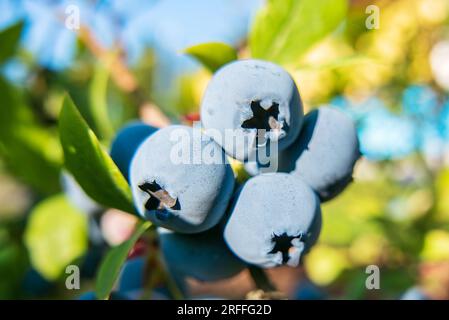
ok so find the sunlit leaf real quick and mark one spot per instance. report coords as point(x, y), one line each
point(442, 195)
point(324, 264)
point(436, 246)
point(55, 236)
point(89, 163)
point(212, 55)
point(286, 29)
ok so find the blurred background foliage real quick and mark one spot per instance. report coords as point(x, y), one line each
point(127, 61)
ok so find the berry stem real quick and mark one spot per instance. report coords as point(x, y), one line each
point(260, 279)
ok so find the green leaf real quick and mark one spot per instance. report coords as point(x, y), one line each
point(33, 155)
point(55, 236)
point(212, 55)
point(113, 261)
point(347, 61)
point(98, 91)
point(89, 164)
point(13, 266)
point(9, 38)
point(286, 29)
point(30, 151)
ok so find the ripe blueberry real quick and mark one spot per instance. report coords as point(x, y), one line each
point(275, 219)
point(203, 256)
point(180, 180)
point(248, 95)
point(325, 153)
point(126, 142)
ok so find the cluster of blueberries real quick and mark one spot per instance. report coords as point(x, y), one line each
point(210, 227)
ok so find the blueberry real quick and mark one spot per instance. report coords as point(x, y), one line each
point(132, 275)
point(307, 290)
point(126, 142)
point(35, 285)
point(275, 219)
point(180, 180)
point(247, 95)
point(325, 152)
point(202, 256)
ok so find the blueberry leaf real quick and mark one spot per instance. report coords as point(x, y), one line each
point(286, 29)
point(9, 38)
point(98, 90)
point(29, 150)
point(56, 235)
point(113, 261)
point(89, 163)
point(212, 55)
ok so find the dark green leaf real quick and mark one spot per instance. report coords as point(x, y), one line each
point(30, 151)
point(113, 261)
point(9, 38)
point(286, 29)
point(212, 55)
point(89, 164)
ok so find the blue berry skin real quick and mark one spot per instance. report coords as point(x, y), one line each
point(325, 153)
point(247, 95)
point(34, 285)
point(203, 256)
point(274, 221)
point(307, 290)
point(132, 275)
point(187, 195)
point(126, 142)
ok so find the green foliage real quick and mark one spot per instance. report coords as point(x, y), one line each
point(98, 91)
point(286, 29)
point(56, 235)
point(212, 55)
point(13, 263)
point(89, 163)
point(9, 38)
point(113, 261)
point(29, 150)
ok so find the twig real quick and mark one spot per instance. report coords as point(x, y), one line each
point(122, 76)
point(260, 279)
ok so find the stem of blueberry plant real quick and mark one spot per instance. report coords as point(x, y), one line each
point(260, 279)
point(160, 271)
point(122, 76)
